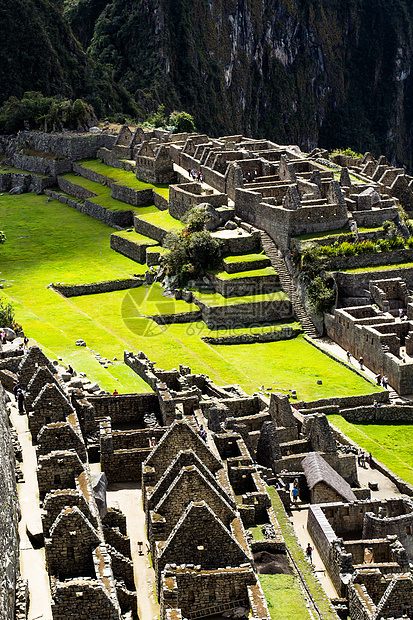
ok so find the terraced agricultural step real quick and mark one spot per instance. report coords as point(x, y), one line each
point(287, 285)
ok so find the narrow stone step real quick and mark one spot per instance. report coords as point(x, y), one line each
point(277, 262)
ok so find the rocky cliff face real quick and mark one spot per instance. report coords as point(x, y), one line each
point(9, 516)
point(333, 73)
point(330, 72)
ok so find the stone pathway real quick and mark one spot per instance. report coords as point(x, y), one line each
point(32, 561)
point(299, 521)
point(127, 496)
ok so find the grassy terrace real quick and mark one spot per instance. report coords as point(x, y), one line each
point(215, 299)
point(265, 271)
point(379, 268)
point(123, 177)
point(136, 237)
point(284, 597)
point(297, 552)
point(50, 242)
point(12, 170)
point(103, 197)
point(333, 233)
point(162, 219)
point(244, 258)
point(390, 444)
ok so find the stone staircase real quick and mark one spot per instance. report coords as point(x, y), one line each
point(277, 262)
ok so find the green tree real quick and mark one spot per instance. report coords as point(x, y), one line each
point(182, 122)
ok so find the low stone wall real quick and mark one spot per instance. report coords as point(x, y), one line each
point(28, 182)
point(345, 402)
point(108, 158)
point(370, 260)
point(128, 247)
point(272, 546)
point(246, 265)
point(237, 287)
point(160, 202)
point(123, 219)
point(240, 245)
point(182, 317)
point(384, 414)
point(42, 165)
point(91, 175)
point(137, 198)
point(149, 230)
point(76, 290)
point(275, 336)
point(239, 315)
point(375, 218)
point(77, 191)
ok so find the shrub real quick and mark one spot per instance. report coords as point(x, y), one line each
point(6, 314)
point(195, 219)
point(321, 293)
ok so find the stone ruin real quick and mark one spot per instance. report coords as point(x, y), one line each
point(200, 496)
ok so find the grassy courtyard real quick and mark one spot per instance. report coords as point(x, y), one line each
point(390, 444)
point(50, 242)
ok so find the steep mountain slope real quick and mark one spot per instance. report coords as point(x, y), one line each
point(39, 52)
point(333, 72)
point(312, 72)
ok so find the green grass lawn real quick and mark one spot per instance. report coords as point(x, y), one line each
point(390, 444)
point(123, 177)
point(50, 242)
point(284, 597)
point(297, 552)
point(334, 233)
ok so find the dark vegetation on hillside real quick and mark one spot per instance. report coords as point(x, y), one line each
point(333, 73)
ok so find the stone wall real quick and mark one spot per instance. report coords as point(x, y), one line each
point(371, 259)
point(27, 182)
point(184, 197)
point(344, 402)
point(9, 518)
point(71, 145)
point(75, 290)
point(77, 191)
point(42, 165)
point(357, 284)
point(124, 408)
point(275, 336)
point(385, 414)
point(239, 314)
point(281, 223)
point(109, 158)
point(128, 247)
point(238, 287)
